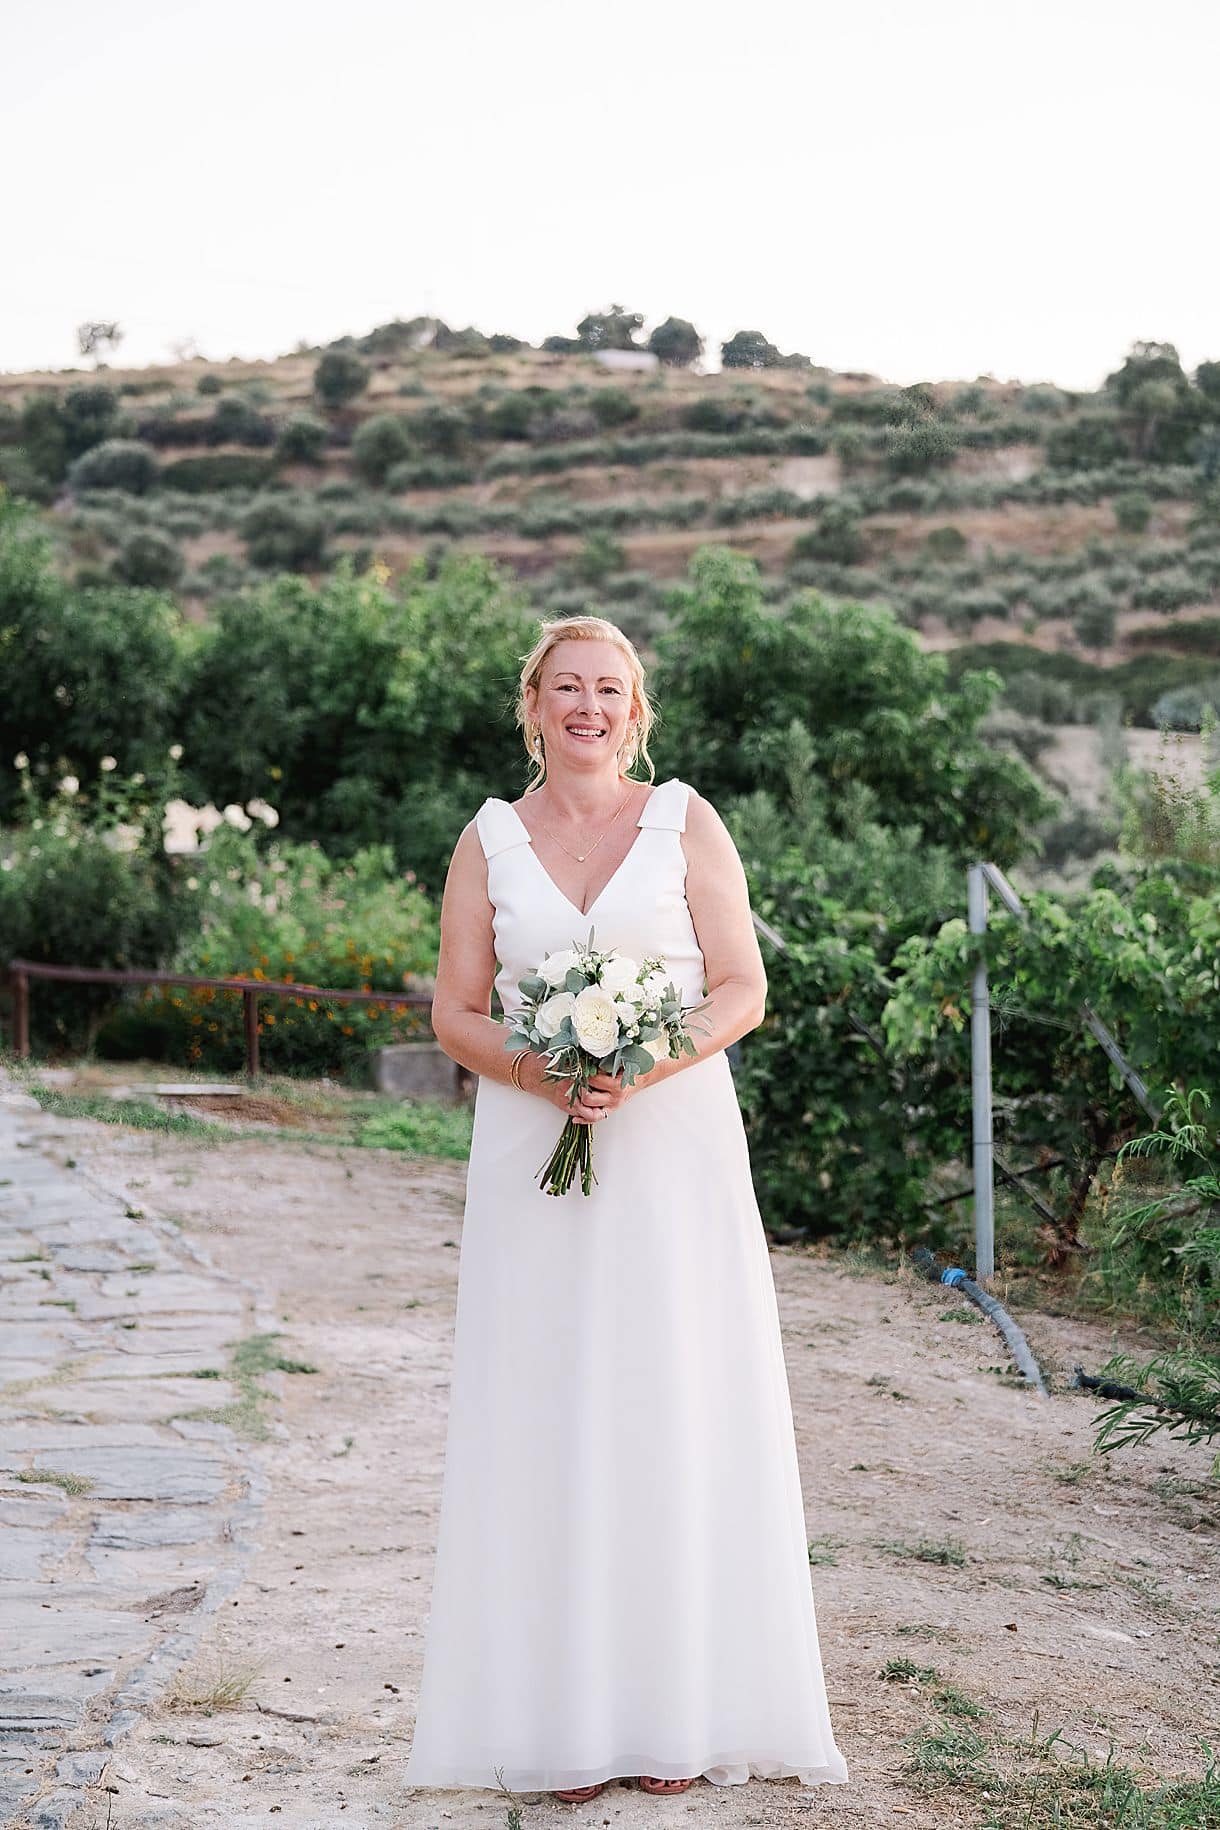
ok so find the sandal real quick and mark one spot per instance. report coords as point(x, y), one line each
point(662, 1788)
point(578, 1795)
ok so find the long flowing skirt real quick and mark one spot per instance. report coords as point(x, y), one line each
point(622, 1579)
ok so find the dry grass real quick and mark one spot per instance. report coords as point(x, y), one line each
point(220, 1685)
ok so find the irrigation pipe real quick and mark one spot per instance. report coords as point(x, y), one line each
point(957, 1279)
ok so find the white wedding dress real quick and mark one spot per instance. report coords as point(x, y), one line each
point(622, 1579)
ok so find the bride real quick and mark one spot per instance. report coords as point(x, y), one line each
point(622, 1585)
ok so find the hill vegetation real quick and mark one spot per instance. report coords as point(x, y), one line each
point(1076, 535)
point(289, 599)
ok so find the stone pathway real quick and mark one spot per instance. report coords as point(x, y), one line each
point(124, 1521)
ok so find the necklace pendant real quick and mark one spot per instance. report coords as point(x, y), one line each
point(580, 857)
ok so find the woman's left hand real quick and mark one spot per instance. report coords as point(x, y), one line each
point(603, 1094)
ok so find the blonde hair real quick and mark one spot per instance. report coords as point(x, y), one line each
point(584, 629)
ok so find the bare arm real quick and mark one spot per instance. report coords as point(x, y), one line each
point(465, 974)
point(719, 900)
point(466, 968)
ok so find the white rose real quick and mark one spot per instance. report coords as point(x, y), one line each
point(595, 1020)
point(658, 1047)
point(237, 816)
point(556, 967)
point(551, 1014)
point(619, 975)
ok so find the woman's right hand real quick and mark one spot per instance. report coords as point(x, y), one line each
point(555, 1092)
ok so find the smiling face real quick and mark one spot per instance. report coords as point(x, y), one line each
point(583, 705)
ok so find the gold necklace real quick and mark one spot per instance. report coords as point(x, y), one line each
point(580, 856)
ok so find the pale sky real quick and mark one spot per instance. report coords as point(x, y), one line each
point(926, 190)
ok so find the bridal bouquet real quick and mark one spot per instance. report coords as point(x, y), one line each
point(596, 1013)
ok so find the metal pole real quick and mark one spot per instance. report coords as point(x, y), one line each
point(250, 1006)
point(980, 1084)
point(21, 1014)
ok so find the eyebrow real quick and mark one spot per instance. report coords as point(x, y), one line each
point(566, 672)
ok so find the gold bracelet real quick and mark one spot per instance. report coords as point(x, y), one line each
point(514, 1072)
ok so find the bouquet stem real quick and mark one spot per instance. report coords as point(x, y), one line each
point(573, 1151)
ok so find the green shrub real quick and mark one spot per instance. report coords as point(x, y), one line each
point(86, 673)
point(749, 349)
point(332, 709)
point(1088, 442)
point(42, 434)
point(966, 608)
point(1133, 511)
point(441, 429)
point(837, 537)
point(283, 535)
point(149, 558)
point(287, 912)
point(850, 446)
point(90, 415)
point(19, 477)
point(119, 463)
point(209, 384)
point(1041, 696)
point(1047, 401)
point(1187, 708)
point(1095, 623)
point(1207, 380)
point(676, 342)
point(913, 450)
point(512, 416)
point(1172, 589)
point(235, 421)
point(339, 377)
point(599, 558)
point(612, 329)
point(945, 544)
point(218, 470)
point(303, 439)
point(714, 413)
point(735, 678)
point(71, 894)
point(380, 443)
point(431, 473)
point(1201, 638)
point(613, 406)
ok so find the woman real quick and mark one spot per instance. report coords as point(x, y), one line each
point(622, 1582)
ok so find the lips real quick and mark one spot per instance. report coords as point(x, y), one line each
point(584, 733)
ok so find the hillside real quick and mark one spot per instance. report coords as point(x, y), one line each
point(1073, 541)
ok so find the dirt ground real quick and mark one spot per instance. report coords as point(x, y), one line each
point(1087, 1598)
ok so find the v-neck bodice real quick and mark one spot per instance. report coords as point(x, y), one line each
point(642, 909)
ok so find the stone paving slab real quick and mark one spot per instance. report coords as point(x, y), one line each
point(142, 1400)
point(102, 1590)
point(139, 1529)
point(71, 1630)
point(26, 1550)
